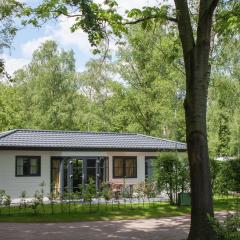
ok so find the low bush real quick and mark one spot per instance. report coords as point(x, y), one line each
point(229, 228)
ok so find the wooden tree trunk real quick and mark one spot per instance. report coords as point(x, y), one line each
point(196, 59)
point(201, 193)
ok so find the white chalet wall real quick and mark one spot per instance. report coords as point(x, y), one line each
point(15, 185)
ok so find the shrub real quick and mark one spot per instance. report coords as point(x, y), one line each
point(225, 175)
point(106, 192)
point(229, 229)
point(2, 195)
point(36, 201)
point(150, 189)
point(23, 201)
point(171, 174)
point(89, 192)
point(7, 202)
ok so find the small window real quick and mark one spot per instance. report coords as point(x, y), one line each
point(28, 166)
point(149, 166)
point(124, 167)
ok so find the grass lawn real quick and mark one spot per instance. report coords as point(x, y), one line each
point(78, 212)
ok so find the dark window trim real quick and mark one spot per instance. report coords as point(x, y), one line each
point(124, 170)
point(28, 156)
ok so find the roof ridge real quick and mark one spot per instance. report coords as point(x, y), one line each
point(6, 133)
point(163, 139)
point(71, 131)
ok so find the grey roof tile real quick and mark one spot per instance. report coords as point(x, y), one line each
point(69, 140)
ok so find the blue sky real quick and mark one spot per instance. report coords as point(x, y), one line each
point(30, 38)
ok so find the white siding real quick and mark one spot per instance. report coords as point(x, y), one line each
point(15, 185)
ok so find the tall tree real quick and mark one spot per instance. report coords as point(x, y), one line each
point(223, 115)
point(48, 88)
point(152, 73)
point(196, 40)
point(11, 112)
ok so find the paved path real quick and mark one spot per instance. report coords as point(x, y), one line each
point(172, 228)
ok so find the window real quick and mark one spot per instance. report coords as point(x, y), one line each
point(149, 166)
point(28, 166)
point(125, 167)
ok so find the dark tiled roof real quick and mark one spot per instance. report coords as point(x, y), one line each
point(74, 140)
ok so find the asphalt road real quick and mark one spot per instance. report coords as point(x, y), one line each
point(171, 228)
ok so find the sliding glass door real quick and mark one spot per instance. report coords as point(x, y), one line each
point(55, 175)
point(73, 173)
point(77, 175)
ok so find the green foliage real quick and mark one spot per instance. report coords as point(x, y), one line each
point(223, 116)
point(55, 213)
point(153, 76)
point(2, 194)
point(88, 15)
point(89, 192)
point(36, 201)
point(226, 177)
point(50, 94)
point(150, 189)
point(47, 91)
point(229, 228)
point(7, 202)
point(9, 9)
point(106, 191)
point(23, 202)
point(171, 174)
point(227, 18)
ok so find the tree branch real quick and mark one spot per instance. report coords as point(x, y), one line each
point(210, 5)
point(184, 26)
point(67, 14)
point(148, 18)
point(205, 20)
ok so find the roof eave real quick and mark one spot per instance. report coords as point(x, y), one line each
point(38, 148)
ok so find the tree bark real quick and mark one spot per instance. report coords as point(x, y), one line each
point(196, 59)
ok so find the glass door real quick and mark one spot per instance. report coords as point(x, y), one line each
point(77, 175)
point(55, 175)
point(71, 173)
point(91, 169)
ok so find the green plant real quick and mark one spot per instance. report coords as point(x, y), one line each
point(7, 203)
point(149, 189)
point(36, 201)
point(61, 198)
point(229, 229)
point(51, 197)
point(171, 174)
point(89, 193)
point(139, 191)
point(227, 178)
point(23, 201)
point(2, 195)
point(41, 195)
point(68, 197)
point(106, 193)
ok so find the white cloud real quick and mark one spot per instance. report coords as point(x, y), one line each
point(29, 47)
point(60, 32)
point(62, 35)
point(12, 64)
